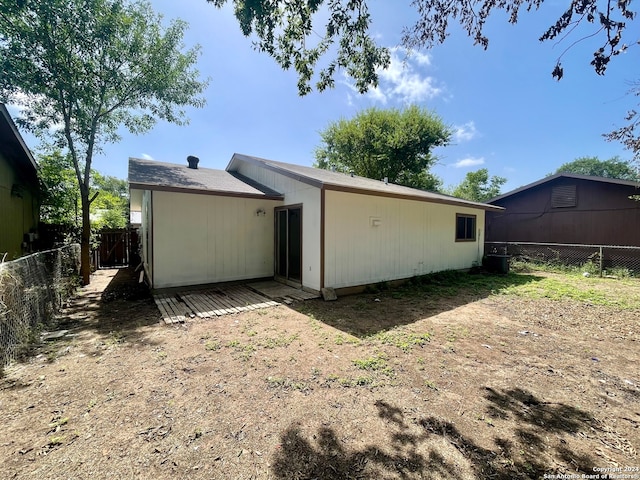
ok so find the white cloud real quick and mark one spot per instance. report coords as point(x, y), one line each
point(469, 162)
point(146, 156)
point(403, 81)
point(464, 133)
point(421, 58)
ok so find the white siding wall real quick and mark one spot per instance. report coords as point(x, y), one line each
point(412, 238)
point(206, 239)
point(296, 192)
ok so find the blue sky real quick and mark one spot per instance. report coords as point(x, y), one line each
point(509, 114)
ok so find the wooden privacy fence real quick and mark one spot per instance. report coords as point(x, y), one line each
point(117, 248)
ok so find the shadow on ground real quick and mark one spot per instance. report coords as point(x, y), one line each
point(434, 448)
point(385, 308)
point(117, 311)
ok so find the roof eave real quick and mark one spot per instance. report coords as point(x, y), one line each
point(550, 178)
point(418, 198)
point(336, 187)
point(27, 155)
point(201, 191)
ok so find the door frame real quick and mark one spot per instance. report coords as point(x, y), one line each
point(285, 279)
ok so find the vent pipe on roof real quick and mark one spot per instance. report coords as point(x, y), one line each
point(386, 180)
point(193, 162)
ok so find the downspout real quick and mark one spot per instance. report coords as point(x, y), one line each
point(153, 269)
point(322, 230)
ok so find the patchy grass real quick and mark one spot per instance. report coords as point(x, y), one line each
point(282, 340)
point(212, 345)
point(376, 362)
point(591, 290)
point(451, 376)
point(548, 283)
point(401, 338)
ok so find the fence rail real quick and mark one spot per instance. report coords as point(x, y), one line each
point(32, 289)
point(599, 259)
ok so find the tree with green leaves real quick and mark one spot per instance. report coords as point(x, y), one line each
point(478, 186)
point(629, 134)
point(285, 30)
point(111, 206)
point(61, 196)
point(290, 32)
point(81, 69)
point(60, 191)
point(393, 144)
point(593, 166)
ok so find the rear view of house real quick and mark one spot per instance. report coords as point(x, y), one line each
point(19, 191)
point(306, 227)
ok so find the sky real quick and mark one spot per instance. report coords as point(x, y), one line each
point(507, 112)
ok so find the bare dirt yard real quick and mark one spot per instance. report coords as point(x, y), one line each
point(458, 377)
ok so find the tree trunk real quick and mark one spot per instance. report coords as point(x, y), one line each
point(85, 240)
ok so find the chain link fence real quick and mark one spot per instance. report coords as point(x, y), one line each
point(32, 290)
point(594, 259)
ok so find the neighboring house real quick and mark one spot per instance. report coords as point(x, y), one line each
point(304, 226)
point(568, 208)
point(19, 191)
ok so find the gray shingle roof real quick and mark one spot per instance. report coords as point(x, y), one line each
point(341, 181)
point(153, 175)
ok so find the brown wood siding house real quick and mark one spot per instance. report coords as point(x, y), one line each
point(19, 191)
point(567, 208)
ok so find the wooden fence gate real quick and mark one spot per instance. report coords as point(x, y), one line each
point(118, 248)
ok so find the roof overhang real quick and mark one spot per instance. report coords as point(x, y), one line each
point(13, 147)
point(198, 191)
point(440, 199)
point(574, 176)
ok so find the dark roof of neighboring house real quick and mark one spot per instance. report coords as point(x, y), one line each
point(616, 181)
point(343, 182)
point(13, 148)
point(153, 175)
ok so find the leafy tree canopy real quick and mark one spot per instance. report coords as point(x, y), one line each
point(612, 168)
point(478, 186)
point(61, 196)
point(629, 135)
point(60, 191)
point(81, 69)
point(605, 20)
point(288, 31)
point(396, 144)
point(111, 205)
